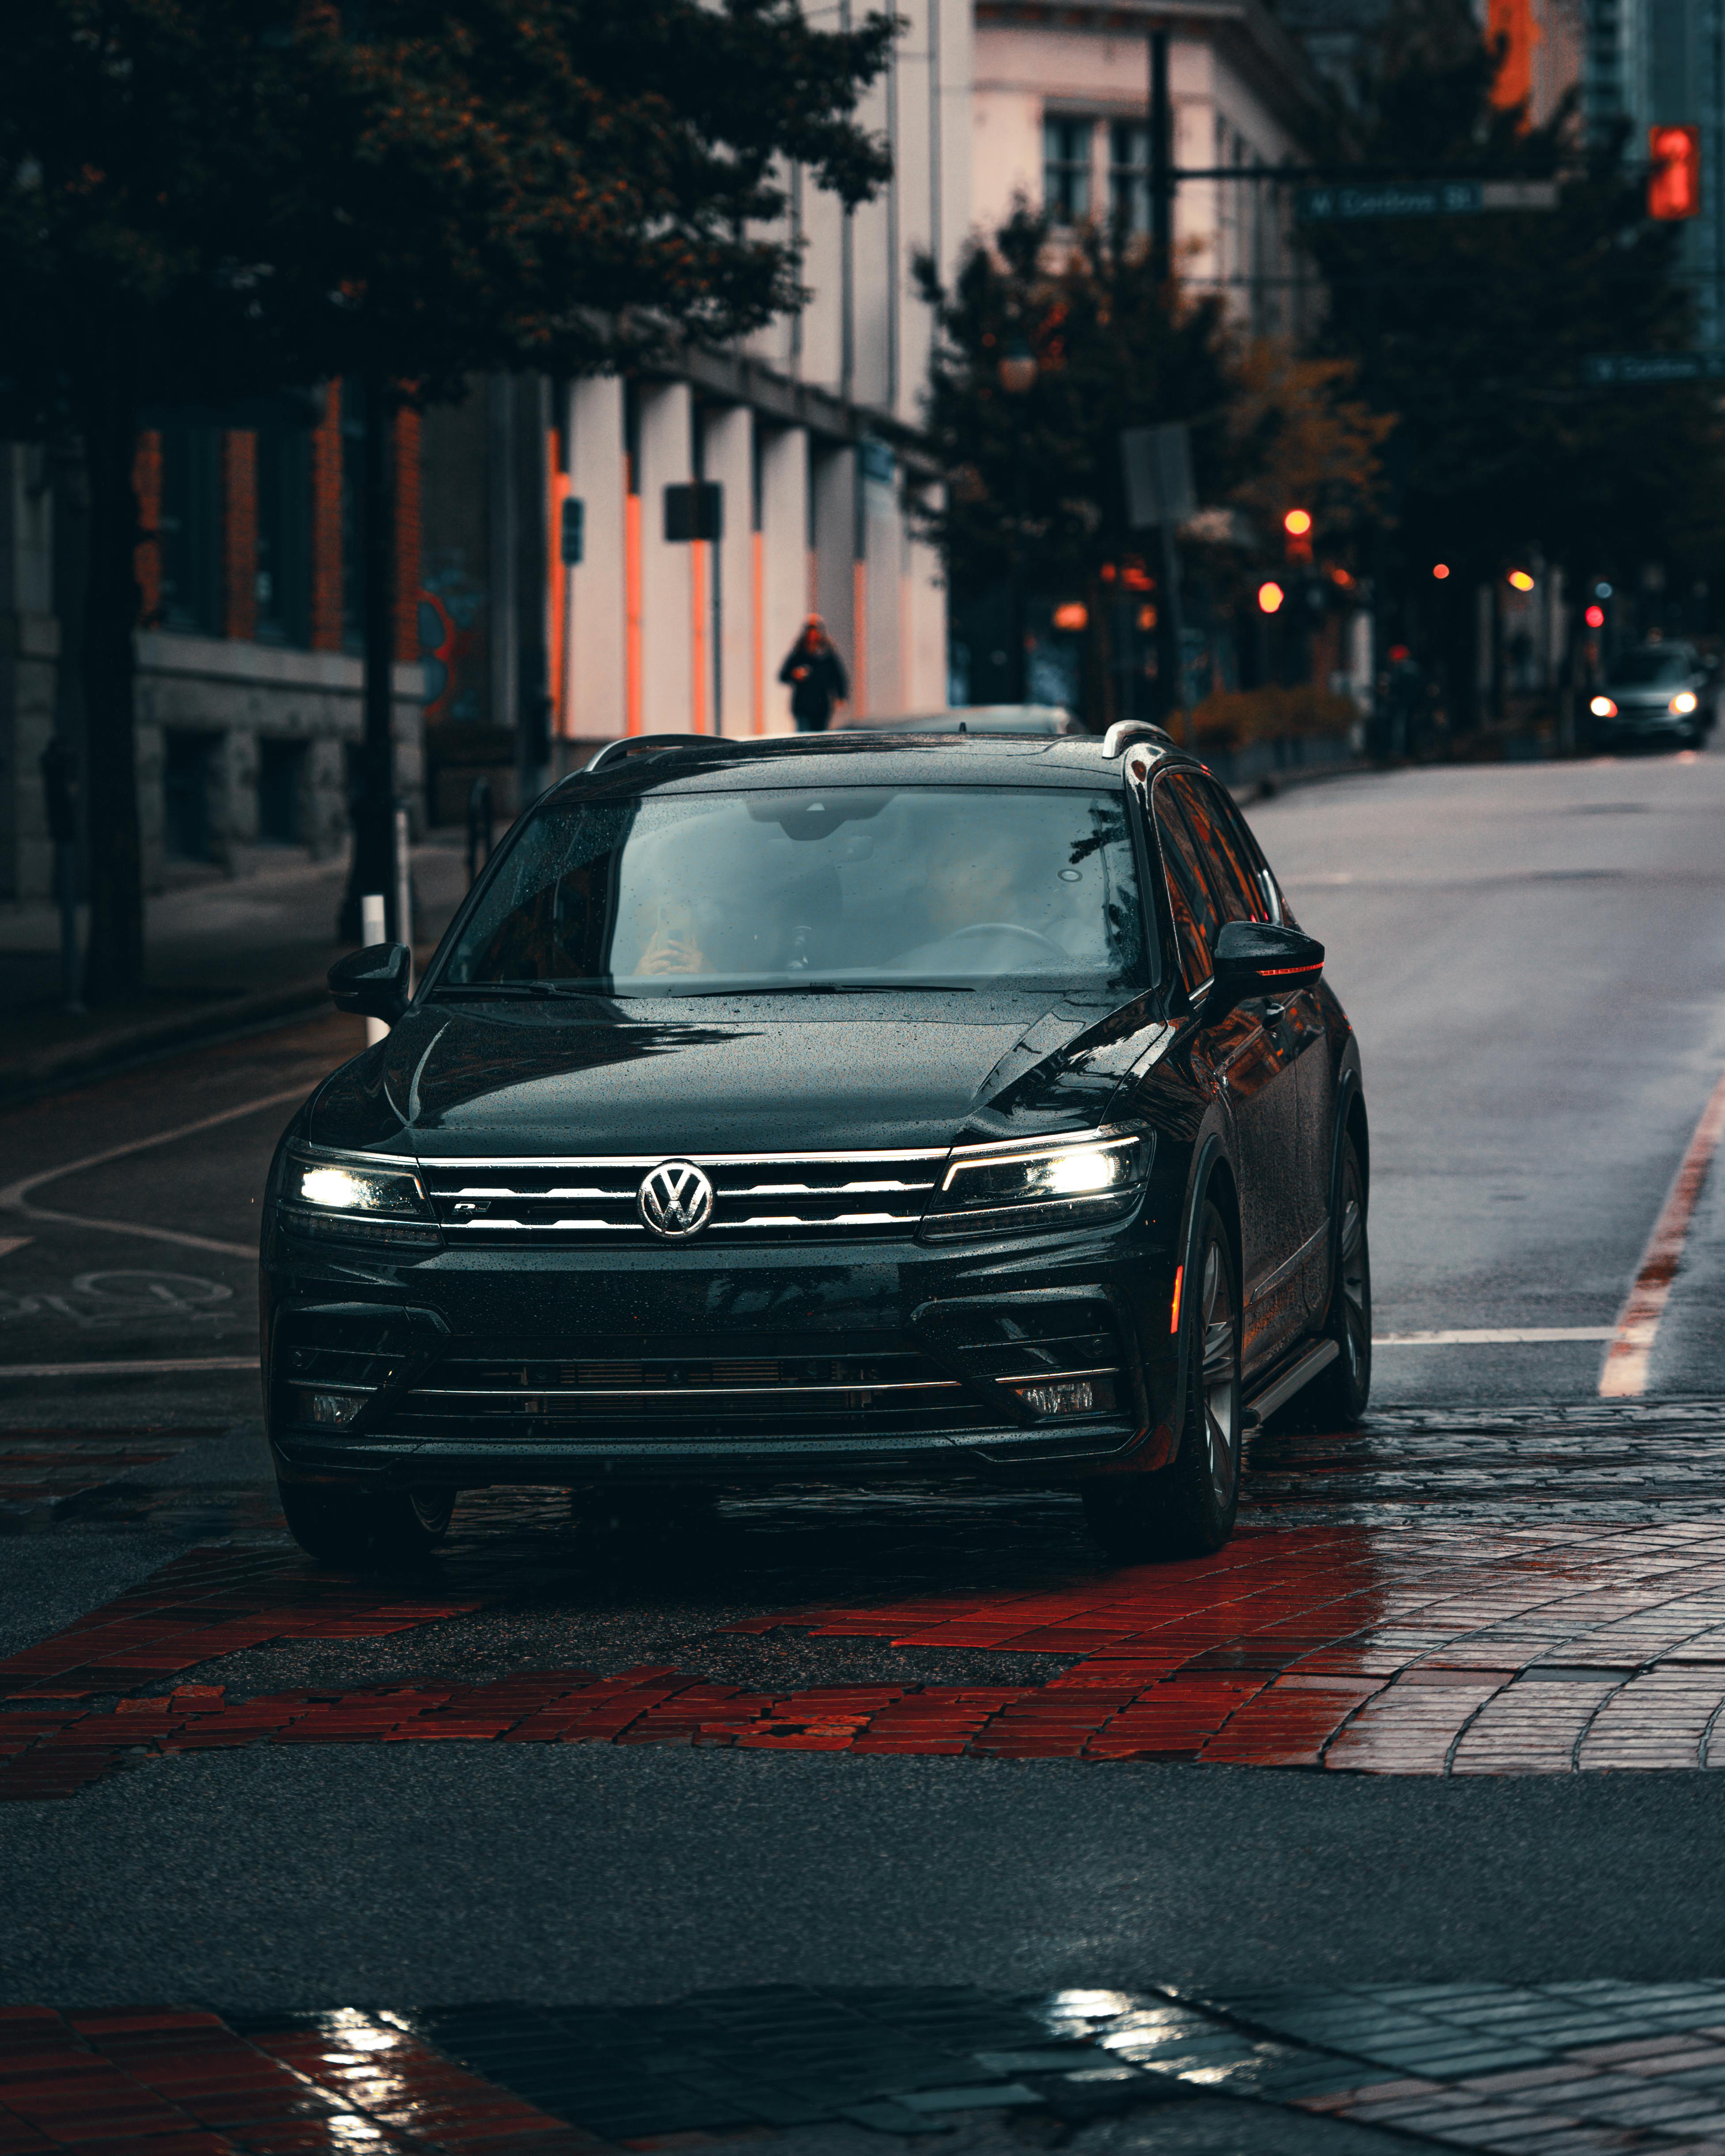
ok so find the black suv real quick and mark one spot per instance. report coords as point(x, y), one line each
point(821, 1109)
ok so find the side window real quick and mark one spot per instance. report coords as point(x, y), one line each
point(1227, 852)
point(1194, 908)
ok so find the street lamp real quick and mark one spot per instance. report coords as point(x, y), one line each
point(1017, 373)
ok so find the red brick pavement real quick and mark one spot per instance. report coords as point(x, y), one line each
point(1431, 1650)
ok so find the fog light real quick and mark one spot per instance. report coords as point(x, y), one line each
point(1068, 1396)
point(328, 1406)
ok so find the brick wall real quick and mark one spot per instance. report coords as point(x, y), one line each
point(239, 535)
point(146, 482)
point(326, 525)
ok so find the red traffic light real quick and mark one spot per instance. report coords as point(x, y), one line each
point(1674, 184)
point(1595, 617)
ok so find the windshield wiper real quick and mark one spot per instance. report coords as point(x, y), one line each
point(504, 988)
point(841, 988)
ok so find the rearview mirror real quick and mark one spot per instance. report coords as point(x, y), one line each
point(372, 982)
point(1262, 958)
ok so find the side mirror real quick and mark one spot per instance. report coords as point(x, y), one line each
point(1261, 959)
point(372, 982)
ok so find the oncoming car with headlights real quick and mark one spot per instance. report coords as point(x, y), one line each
point(823, 1110)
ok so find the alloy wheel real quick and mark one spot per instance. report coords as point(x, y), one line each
point(1221, 1375)
point(1356, 1311)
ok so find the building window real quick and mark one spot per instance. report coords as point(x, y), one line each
point(189, 529)
point(1065, 170)
point(284, 556)
point(1129, 176)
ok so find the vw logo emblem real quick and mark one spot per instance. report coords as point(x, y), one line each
point(676, 1198)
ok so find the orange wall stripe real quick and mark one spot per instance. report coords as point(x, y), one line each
point(697, 642)
point(557, 582)
point(758, 601)
point(631, 613)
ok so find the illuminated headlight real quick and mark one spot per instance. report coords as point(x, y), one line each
point(999, 1190)
point(357, 1198)
point(329, 1408)
point(1602, 707)
point(1683, 702)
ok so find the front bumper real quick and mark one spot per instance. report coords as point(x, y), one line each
point(740, 1367)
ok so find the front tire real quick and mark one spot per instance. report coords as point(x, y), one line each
point(1336, 1396)
point(1188, 1508)
point(353, 1527)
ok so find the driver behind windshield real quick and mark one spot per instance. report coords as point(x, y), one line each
point(855, 886)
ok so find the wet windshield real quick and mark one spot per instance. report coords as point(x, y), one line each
point(1652, 670)
point(849, 887)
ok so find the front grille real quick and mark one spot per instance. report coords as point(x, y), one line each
point(698, 1395)
point(757, 1197)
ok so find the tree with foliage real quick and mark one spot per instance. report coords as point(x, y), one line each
point(1035, 480)
point(1472, 331)
point(208, 200)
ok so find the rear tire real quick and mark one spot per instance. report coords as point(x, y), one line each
point(351, 1526)
point(1188, 1508)
point(1337, 1395)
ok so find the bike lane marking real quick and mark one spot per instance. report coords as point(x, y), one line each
point(15, 1197)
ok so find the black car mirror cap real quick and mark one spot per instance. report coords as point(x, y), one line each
point(372, 982)
point(1261, 959)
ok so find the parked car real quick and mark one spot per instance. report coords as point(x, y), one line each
point(975, 719)
point(828, 1108)
point(1664, 694)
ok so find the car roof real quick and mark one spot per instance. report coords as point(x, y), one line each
point(704, 764)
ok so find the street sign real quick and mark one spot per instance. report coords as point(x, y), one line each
point(694, 512)
point(1421, 199)
point(1157, 465)
point(1630, 369)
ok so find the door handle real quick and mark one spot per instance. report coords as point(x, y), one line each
point(1274, 1013)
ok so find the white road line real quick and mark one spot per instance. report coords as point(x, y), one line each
point(178, 1369)
point(1624, 1376)
point(1524, 1336)
point(14, 1197)
point(8, 1243)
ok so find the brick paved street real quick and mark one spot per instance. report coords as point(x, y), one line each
point(857, 1821)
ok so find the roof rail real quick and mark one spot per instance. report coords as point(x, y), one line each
point(633, 744)
point(1125, 731)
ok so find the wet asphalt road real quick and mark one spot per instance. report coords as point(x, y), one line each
point(1534, 960)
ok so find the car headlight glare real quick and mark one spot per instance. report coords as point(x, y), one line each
point(991, 1190)
point(360, 1200)
point(354, 1189)
point(1602, 707)
point(1683, 702)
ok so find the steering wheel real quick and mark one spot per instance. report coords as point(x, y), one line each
point(1007, 928)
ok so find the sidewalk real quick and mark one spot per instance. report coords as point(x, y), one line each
point(221, 956)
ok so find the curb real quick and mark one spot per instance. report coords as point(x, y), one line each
point(62, 1069)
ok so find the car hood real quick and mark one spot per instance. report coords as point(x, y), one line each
point(519, 1080)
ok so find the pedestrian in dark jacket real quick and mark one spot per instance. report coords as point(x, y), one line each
point(816, 676)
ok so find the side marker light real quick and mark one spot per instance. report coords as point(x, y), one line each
point(1179, 1282)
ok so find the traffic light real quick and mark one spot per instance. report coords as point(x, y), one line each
point(1595, 617)
point(1674, 183)
point(1271, 596)
point(1298, 524)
